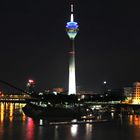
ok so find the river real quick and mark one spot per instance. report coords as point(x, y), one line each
point(15, 125)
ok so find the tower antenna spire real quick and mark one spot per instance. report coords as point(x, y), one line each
point(72, 16)
point(71, 8)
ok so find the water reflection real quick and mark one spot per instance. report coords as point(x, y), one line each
point(30, 129)
point(89, 129)
point(10, 111)
point(112, 115)
point(15, 125)
point(56, 132)
point(134, 120)
point(1, 112)
point(74, 129)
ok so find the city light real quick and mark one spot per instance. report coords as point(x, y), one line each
point(31, 81)
point(74, 129)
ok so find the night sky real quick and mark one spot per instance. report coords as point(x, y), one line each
point(34, 43)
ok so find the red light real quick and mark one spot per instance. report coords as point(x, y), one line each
point(31, 81)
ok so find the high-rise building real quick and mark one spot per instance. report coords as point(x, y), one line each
point(136, 93)
point(72, 29)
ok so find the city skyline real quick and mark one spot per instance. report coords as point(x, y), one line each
point(34, 43)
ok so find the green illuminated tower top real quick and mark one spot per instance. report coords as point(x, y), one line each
point(72, 26)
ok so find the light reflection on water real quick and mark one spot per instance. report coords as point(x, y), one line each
point(30, 129)
point(89, 129)
point(14, 124)
point(74, 129)
point(10, 111)
point(134, 120)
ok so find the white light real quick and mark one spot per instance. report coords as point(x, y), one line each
point(72, 81)
point(71, 7)
point(72, 88)
point(112, 115)
point(79, 99)
point(105, 82)
point(41, 122)
point(74, 129)
point(74, 120)
point(31, 81)
point(72, 18)
point(54, 92)
point(40, 93)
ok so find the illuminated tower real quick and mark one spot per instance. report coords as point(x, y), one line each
point(72, 29)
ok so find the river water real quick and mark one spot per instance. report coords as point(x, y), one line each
point(15, 125)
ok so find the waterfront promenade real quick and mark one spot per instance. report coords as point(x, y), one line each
point(17, 98)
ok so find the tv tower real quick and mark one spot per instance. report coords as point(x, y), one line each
point(72, 29)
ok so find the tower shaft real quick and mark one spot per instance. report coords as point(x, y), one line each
point(72, 76)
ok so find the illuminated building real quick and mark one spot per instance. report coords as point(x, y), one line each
point(58, 90)
point(128, 91)
point(136, 93)
point(72, 29)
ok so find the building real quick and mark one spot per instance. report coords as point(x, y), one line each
point(58, 90)
point(136, 93)
point(72, 29)
point(128, 92)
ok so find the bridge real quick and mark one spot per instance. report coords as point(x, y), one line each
point(20, 96)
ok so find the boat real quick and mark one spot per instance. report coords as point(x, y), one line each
point(55, 113)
